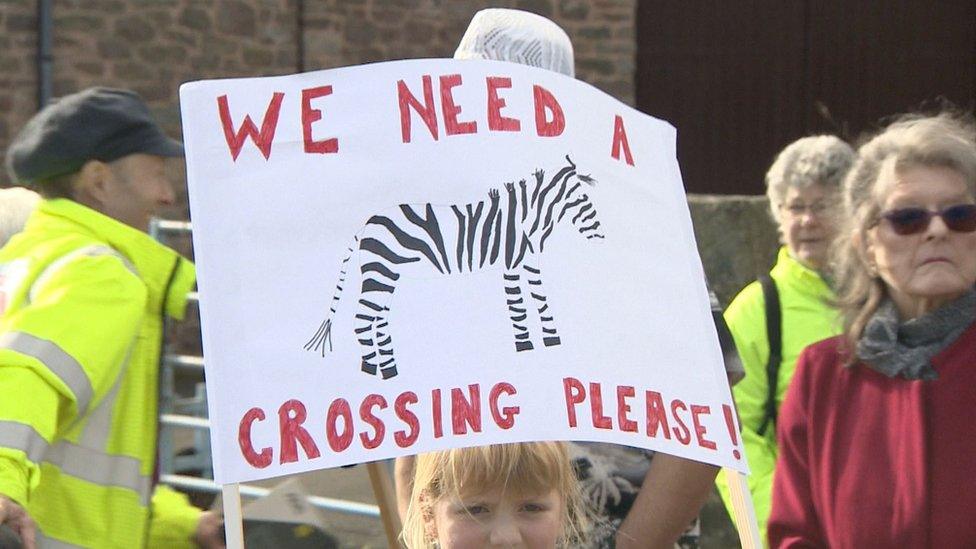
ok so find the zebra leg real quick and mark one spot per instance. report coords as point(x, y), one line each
point(366, 320)
point(373, 333)
point(384, 343)
point(516, 306)
point(550, 337)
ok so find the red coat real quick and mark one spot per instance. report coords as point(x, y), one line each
point(870, 461)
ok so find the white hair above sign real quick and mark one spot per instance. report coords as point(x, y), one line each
point(416, 255)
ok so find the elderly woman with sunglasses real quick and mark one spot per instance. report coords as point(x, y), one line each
point(803, 186)
point(877, 439)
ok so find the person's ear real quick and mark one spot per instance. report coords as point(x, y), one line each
point(863, 242)
point(91, 184)
point(427, 512)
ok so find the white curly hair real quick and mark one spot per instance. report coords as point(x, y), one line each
point(822, 159)
point(16, 205)
point(517, 36)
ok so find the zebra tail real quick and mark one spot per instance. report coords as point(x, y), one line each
point(324, 333)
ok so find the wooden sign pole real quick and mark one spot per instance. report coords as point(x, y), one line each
point(379, 477)
point(743, 512)
point(233, 517)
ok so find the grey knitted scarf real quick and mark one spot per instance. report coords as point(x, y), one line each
point(905, 349)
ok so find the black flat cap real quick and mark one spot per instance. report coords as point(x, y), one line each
point(94, 124)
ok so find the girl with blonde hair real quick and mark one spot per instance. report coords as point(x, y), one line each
point(523, 494)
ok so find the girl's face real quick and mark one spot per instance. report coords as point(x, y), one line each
point(494, 519)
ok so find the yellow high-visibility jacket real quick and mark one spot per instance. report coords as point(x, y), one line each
point(806, 318)
point(82, 299)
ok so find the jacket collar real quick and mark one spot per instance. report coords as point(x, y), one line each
point(161, 268)
point(802, 278)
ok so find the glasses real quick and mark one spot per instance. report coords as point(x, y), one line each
point(817, 208)
point(960, 218)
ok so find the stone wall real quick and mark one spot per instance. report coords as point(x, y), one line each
point(737, 240)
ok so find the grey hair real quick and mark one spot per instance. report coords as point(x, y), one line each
point(944, 140)
point(16, 205)
point(822, 159)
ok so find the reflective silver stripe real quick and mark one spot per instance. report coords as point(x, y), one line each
point(21, 436)
point(100, 468)
point(99, 426)
point(88, 251)
point(57, 361)
point(44, 542)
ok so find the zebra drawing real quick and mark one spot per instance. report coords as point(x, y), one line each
point(508, 229)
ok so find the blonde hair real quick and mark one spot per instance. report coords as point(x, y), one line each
point(523, 468)
point(822, 159)
point(944, 140)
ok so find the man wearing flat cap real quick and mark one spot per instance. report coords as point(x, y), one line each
point(83, 294)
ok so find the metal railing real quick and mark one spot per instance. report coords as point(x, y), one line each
point(329, 504)
point(177, 412)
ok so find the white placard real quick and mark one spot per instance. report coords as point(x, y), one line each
point(508, 253)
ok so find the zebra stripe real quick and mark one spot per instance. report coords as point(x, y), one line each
point(552, 205)
point(407, 241)
point(545, 235)
point(582, 211)
point(525, 201)
point(496, 246)
point(570, 205)
point(473, 219)
point(563, 173)
point(593, 227)
point(370, 285)
point(371, 305)
point(510, 226)
point(380, 249)
point(460, 237)
point(488, 226)
point(429, 225)
point(378, 267)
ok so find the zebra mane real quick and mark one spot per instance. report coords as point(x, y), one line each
point(585, 178)
point(540, 191)
point(539, 176)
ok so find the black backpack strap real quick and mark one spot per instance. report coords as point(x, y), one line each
point(774, 334)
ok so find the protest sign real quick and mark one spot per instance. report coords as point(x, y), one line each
point(417, 255)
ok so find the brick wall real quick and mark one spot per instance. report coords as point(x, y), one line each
point(152, 46)
point(341, 32)
point(18, 75)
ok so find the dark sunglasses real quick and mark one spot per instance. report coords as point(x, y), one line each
point(960, 218)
